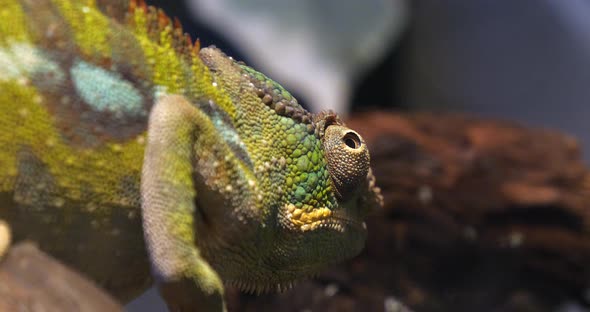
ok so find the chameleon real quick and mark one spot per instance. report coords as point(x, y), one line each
point(136, 157)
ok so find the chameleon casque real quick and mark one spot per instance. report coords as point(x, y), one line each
point(128, 149)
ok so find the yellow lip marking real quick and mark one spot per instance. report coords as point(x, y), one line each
point(307, 220)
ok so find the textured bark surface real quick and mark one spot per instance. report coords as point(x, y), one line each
point(32, 281)
point(479, 215)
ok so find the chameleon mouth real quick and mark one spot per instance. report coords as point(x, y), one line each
point(262, 288)
point(320, 218)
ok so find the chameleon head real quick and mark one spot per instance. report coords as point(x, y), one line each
point(330, 227)
point(313, 182)
point(347, 160)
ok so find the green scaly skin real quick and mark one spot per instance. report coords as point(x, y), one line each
point(126, 148)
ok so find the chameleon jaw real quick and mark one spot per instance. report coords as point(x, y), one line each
point(261, 288)
point(317, 218)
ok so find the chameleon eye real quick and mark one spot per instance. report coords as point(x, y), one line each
point(352, 140)
point(347, 157)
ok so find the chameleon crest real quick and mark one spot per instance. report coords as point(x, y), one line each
point(127, 148)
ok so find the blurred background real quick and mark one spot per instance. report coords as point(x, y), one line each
point(527, 61)
point(523, 61)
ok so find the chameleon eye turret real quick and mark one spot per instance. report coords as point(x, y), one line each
point(348, 159)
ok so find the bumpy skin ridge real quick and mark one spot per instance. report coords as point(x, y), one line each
point(114, 124)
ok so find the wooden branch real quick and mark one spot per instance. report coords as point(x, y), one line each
point(479, 213)
point(32, 281)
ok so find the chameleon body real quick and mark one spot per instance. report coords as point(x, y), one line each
point(128, 149)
